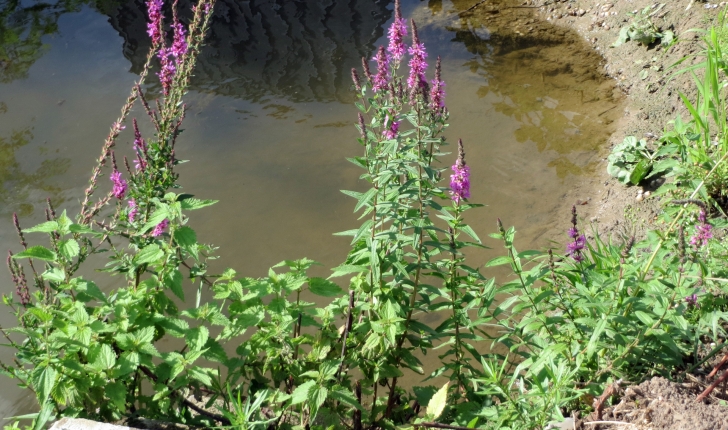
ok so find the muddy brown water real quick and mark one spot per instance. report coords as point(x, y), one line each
point(271, 119)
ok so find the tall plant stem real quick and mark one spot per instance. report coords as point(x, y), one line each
point(415, 288)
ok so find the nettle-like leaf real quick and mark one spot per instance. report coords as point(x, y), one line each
point(438, 402)
point(38, 252)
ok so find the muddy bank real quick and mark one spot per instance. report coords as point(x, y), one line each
point(641, 74)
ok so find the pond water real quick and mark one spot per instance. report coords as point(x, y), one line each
point(271, 118)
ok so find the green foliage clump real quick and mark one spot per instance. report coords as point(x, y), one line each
point(642, 30)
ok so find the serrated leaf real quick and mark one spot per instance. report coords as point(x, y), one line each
point(148, 254)
point(197, 337)
point(102, 357)
point(68, 248)
point(39, 252)
point(173, 281)
point(78, 228)
point(187, 239)
point(45, 382)
point(116, 392)
point(324, 288)
point(192, 204)
point(300, 394)
point(157, 216)
point(46, 227)
point(438, 402)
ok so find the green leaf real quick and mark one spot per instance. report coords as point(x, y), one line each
point(116, 392)
point(173, 280)
point(78, 228)
point(300, 394)
point(102, 357)
point(324, 288)
point(128, 363)
point(640, 171)
point(88, 288)
point(187, 239)
point(45, 382)
point(192, 203)
point(68, 248)
point(344, 396)
point(497, 261)
point(317, 397)
point(438, 402)
point(148, 254)
point(158, 216)
point(46, 227)
point(346, 269)
point(197, 337)
point(39, 252)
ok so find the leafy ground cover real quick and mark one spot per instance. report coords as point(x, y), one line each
point(568, 325)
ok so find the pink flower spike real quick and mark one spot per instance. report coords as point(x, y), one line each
point(159, 229)
point(179, 46)
point(417, 63)
point(381, 79)
point(460, 179)
point(397, 33)
point(437, 91)
point(119, 185)
point(154, 11)
point(133, 209)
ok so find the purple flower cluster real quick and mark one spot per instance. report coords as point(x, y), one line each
point(159, 228)
point(119, 185)
point(397, 33)
point(166, 74)
point(417, 63)
point(381, 79)
point(437, 91)
point(154, 11)
point(391, 132)
point(703, 232)
point(692, 300)
point(133, 209)
point(179, 45)
point(574, 249)
point(460, 179)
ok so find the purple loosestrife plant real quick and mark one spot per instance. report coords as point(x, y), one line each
point(703, 231)
point(576, 246)
point(418, 62)
point(460, 179)
point(160, 228)
point(133, 210)
point(437, 91)
point(179, 45)
point(397, 33)
point(380, 81)
point(154, 26)
point(120, 185)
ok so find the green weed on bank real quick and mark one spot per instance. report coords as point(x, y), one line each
point(570, 321)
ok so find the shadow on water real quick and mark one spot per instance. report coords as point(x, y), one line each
point(300, 50)
point(270, 118)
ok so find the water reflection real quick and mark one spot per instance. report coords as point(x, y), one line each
point(542, 77)
point(20, 190)
point(301, 50)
